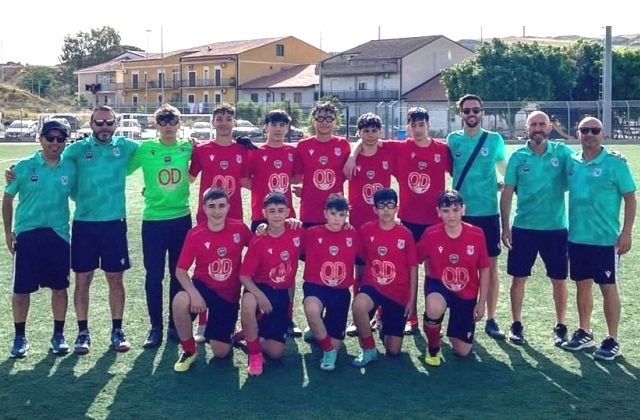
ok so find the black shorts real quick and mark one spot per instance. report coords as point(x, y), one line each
point(307, 225)
point(223, 315)
point(416, 229)
point(393, 319)
point(596, 262)
point(99, 245)
point(490, 226)
point(273, 326)
point(256, 223)
point(336, 307)
point(461, 325)
point(41, 259)
point(528, 243)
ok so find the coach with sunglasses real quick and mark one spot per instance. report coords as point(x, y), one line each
point(39, 240)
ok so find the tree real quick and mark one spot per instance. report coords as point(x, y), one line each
point(588, 58)
point(336, 102)
point(36, 80)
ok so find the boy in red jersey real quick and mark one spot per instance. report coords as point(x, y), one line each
point(267, 273)
point(216, 246)
point(458, 278)
point(331, 251)
point(422, 164)
point(390, 279)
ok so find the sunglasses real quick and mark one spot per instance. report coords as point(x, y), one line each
point(100, 123)
point(59, 139)
point(171, 122)
point(467, 111)
point(322, 119)
point(594, 130)
point(388, 205)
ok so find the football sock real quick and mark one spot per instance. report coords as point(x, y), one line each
point(325, 343)
point(20, 327)
point(189, 346)
point(83, 325)
point(254, 346)
point(58, 326)
point(368, 343)
point(116, 324)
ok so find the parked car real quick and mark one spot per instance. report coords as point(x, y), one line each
point(296, 133)
point(72, 121)
point(202, 131)
point(85, 130)
point(245, 128)
point(130, 129)
point(142, 119)
point(21, 129)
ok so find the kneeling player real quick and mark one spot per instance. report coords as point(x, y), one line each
point(458, 279)
point(390, 278)
point(268, 272)
point(216, 246)
point(328, 274)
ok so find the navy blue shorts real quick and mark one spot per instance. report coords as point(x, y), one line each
point(223, 315)
point(41, 259)
point(596, 262)
point(527, 243)
point(273, 326)
point(336, 307)
point(256, 223)
point(461, 325)
point(393, 318)
point(490, 226)
point(99, 245)
point(307, 225)
point(416, 229)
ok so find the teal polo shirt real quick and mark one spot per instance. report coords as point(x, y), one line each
point(480, 187)
point(595, 195)
point(102, 173)
point(541, 182)
point(43, 194)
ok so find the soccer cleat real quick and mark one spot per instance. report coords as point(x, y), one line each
point(365, 357)
point(352, 330)
point(198, 334)
point(172, 335)
point(434, 360)
point(293, 330)
point(83, 343)
point(20, 347)
point(493, 330)
point(581, 339)
point(308, 336)
point(154, 338)
point(329, 360)
point(185, 361)
point(119, 341)
point(559, 334)
point(516, 335)
point(58, 344)
point(609, 349)
point(410, 328)
point(255, 364)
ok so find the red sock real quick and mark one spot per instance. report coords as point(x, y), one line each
point(413, 320)
point(189, 345)
point(325, 343)
point(291, 310)
point(202, 318)
point(433, 334)
point(368, 343)
point(254, 346)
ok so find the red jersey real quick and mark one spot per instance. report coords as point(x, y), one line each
point(421, 176)
point(217, 255)
point(389, 256)
point(273, 261)
point(320, 164)
point(270, 169)
point(372, 174)
point(330, 256)
point(455, 261)
point(223, 167)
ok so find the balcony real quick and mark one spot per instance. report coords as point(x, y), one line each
point(363, 95)
point(343, 68)
point(176, 84)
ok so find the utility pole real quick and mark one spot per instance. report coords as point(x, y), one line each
point(606, 82)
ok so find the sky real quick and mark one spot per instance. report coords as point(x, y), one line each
point(37, 38)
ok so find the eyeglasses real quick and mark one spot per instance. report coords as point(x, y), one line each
point(100, 123)
point(322, 119)
point(171, 122)
point(388, 205)
point(467, 111)
point(594, 130)
point(59, 139)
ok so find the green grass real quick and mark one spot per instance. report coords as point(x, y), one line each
point(498, 380)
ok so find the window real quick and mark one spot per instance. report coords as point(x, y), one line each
point(362, 86)
point(191, 98)
point(175, 76)
point(218, 76)
point(106, 99)
point(161, 79)
point(279, 50)
point(135, 80)
point(218, 98)
point(268, 96)
point(160, 99)
point(297, 97)
point(283, 96)
point(134, 100)
point(254, 97)
point(192, 79)
point(205, 98)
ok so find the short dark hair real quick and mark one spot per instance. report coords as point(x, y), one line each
point(277, 116)
point(450, 198)
point(102, 108)
point(224, 108)
point(214, 193)
point(369, 120)
point(385, 195)
point(417, 114)
point(336, 202)
point(276, 198)
point(167, 112)
point(469, 97)
point(327, 106)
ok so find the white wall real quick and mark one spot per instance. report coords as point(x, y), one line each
point(307, 94)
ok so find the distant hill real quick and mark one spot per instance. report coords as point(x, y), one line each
point(631, 41)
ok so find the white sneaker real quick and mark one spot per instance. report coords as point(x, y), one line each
point(198, 334)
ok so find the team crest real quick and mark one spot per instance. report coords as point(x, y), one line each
point(337, 151)
point(422, 165)
point(236, 238)
point(436, 158)
point(371, 174)
point(224, 164)
point(290, 156)
point(597, 171)
point(554, 161)
point(167, 159)
point(385, 165)
point(470, 250)
point(284, 255)
point(323, 160)
point(277, 164)
point(333, 250)
point(382, 250)
point(222, 252)
point(88, 156)
point(116, 152)
point(401, 243)
point(64, 180)
point(454, 258)
point(239, 158)
point(484, 151)
point(296, 241)
point(349, 242)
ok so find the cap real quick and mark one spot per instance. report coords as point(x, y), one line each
point(53, 125)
